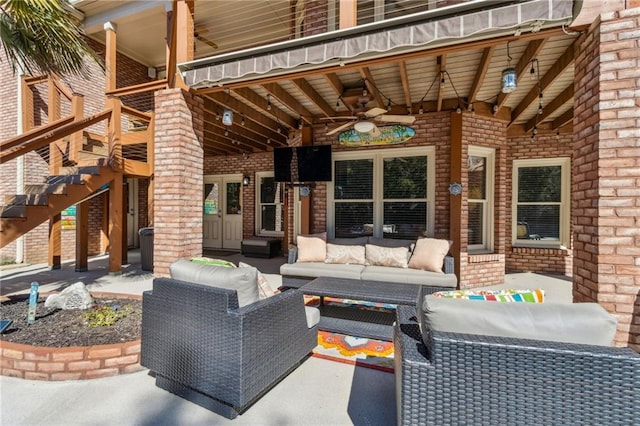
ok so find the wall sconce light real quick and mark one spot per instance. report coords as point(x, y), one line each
point(509, 77)
point(227, 117)
point(246, 180)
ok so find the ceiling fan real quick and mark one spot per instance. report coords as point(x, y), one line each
point(363, 122)
point(197, 33)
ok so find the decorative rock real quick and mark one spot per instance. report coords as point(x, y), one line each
point(75, 296)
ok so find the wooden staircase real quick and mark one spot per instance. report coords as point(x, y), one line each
point(21, 213)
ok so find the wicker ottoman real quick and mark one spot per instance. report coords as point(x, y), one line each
point(261, 247)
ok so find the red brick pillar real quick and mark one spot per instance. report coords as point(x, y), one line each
point(178, 178)
point(606, 170)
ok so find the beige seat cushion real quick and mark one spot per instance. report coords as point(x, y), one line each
point(312, 248)
point(429, 254)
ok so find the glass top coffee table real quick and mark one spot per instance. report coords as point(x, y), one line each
point(354, 321)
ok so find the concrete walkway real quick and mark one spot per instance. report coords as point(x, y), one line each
point(319, 392)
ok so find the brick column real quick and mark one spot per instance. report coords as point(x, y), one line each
point(606, 170)
point(178, 179)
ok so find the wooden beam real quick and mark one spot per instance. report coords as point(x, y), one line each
point(554, 72)
point(116, 203)
point(335, 83)
point(150, 86)
point(75, 144)
point(53, 114)
point(151, 162)
point(285, 98)
point(406, 87)
point(563, 119)
point(171, 62)
point(114, 133)
point(184, 30)
point(533, 49)
point(481, 72)
point(134, 138)
point(259, 124)
point(557, 102)
point(262, 104)
point(35, 132)
point(311, 94)
point(238, 133)
point(134, 168)
point(365, 73)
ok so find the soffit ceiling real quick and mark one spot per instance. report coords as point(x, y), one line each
point(473, 77)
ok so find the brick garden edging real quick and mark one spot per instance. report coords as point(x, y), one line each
point(71, 363)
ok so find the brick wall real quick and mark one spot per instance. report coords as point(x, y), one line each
point(315, 21)
point(178, 178)
point(607, 170)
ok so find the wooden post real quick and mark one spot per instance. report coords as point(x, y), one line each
point(82, 236)
point(306, 212)
point(77, 109)
point(116, 198)
point(348, 13)
point(55, 163)
point(151, 162)
point(110, 55)
point(455, 201)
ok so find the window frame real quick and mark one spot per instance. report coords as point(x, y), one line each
point(488, 209)
point(565, 202)
point(258, 205)
point(378, 157)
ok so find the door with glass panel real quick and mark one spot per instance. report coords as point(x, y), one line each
point(222, 212)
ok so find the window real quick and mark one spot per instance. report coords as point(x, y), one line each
point(480, 203)
point(541, 202)
point(269, 206)
point(385, 193)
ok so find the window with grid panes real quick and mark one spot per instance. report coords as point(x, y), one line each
point(480, 174)
point(385, 193)
point(541, 202)
point(270, 205)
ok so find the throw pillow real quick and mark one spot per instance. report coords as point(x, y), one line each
point(506, 295)
point(312, 248)
point(386, 256)
point(213, 262)
point(264, 289)
point(429, 254)
point(243, 280)
point(353, 255)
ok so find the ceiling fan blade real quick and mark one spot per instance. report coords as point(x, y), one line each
point(374, 112)
point(340, 128)
point(375, 132)
point(403, 119)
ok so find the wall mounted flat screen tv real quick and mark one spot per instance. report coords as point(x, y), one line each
point(314, 163)
point(282, 164)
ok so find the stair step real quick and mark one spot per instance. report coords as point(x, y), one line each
point(54, 188)
point(26, 200)
point(13, 212)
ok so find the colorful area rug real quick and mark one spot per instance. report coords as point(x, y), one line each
point(360, 351)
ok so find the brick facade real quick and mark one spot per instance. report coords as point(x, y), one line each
point(178, 178)
point(607, 170)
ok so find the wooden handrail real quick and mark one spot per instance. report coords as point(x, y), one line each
point(146, 116)
point(138, 88)
point(49, 133)
point(35, 79)
point(34, 133)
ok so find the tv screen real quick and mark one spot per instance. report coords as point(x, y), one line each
point(314, 163)
point(282, 164)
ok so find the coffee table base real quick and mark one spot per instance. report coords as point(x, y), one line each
point(357, 322)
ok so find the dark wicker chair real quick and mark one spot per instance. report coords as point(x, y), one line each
point(204, 348)
point(463, 379)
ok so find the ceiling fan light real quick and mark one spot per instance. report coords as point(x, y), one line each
point(364, 126)
point(509, 80)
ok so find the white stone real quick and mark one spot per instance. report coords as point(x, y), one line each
point(76, 296)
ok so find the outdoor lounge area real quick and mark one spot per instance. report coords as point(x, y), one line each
point(319, 391)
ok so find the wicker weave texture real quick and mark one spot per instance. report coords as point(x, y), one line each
point(470, 379)
point(197, 337)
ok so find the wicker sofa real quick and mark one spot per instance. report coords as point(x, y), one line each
point(204, 346)
point(445, 378)
point(295, 273)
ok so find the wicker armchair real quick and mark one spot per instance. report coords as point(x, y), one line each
point(204, 348)
point(470, 379)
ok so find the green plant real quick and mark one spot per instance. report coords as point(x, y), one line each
point(106, 316)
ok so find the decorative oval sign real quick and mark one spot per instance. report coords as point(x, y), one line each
point(389, 135)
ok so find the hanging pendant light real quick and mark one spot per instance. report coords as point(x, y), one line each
point(509, 77)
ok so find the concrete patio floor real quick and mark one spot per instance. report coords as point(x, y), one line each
point(319, 392)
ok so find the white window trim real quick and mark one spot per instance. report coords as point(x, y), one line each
point(258, 204)
point(565, 202)
point(378, 156)
point(489, 210)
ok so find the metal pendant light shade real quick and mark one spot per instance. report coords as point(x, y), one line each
point(509, 80)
